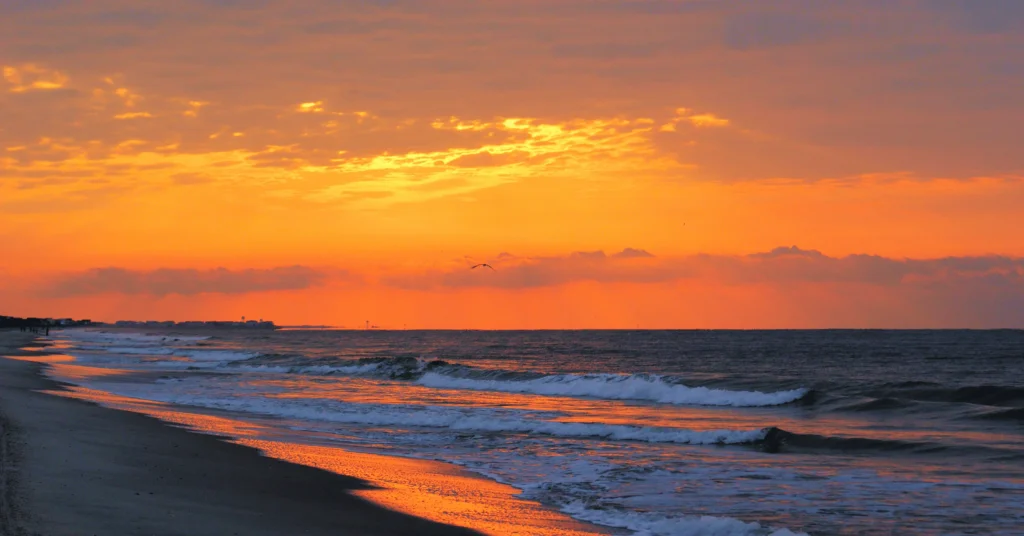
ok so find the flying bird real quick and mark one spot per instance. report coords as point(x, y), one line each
point(484, 264)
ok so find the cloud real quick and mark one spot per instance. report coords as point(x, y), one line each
point(631, 253)
point(134, 115)
point(702, 120)
point(488, 159)
point(784, 251)
point(760, 29)
point(187, 282)
point(990, 16)
point(832, 96)
point(588, 256)
point(191, 178)
point(15, 6)
point(780, 266)
point(30, 77)
point(784, 287)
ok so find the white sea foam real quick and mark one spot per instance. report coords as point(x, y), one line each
point(214, 355)
point(137, 344)
point(605, 386)
point(655, 525)
point(617, 387)
point(462, 420)
point(132, 355)
point(314, 370)
point(106, 336)
point(131, 350)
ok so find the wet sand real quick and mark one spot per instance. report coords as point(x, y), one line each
point(69, 467)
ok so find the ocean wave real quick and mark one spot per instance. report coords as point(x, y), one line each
point(130, 350)
point(985, 395)
point(215, 355)
point(1013, 414)
point(878, 404)
point(475, 421)
point(440, 374)
point(618, 387)
point(910, 383)
point(138, 344)
point(778, 440)
point(107, 336)
point(392, 368)
point(645, 524)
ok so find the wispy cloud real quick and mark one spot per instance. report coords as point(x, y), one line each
point(786, 286)
point(627, 59)
point(31, 77)
point(184, 281)
point(780, 266)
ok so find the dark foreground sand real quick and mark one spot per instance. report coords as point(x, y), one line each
point(69, 467)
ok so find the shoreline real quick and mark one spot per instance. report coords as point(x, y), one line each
point(74, 467)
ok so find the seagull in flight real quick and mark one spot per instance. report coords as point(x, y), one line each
point(483, 264)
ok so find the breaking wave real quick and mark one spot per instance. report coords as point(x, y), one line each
point(618, 387)
point(476, 421)
point(443, 375)
point(125, 337)
point(216, 355)
point(986, 395)
point(778, 440)
point(878, 404)
point(140, 346)
point(131, 350)
point(1013, 414)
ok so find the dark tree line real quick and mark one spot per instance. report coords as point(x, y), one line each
point(39, 325)
point(15, 322)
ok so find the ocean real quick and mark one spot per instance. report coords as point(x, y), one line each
point(644, 432)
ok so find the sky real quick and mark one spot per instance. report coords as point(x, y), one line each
point(620, 164)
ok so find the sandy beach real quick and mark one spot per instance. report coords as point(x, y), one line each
point(69, 467)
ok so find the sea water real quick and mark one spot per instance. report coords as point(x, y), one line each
point(652, 432)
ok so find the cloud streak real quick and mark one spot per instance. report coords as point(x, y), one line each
point(782, 287)
point(186, 282)
point(463, 59)
point(780, 266)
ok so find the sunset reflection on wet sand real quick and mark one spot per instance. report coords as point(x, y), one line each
point(428, 489)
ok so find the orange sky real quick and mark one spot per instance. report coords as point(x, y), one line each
point(336, 162)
